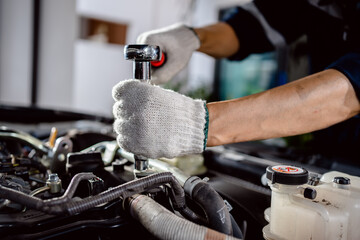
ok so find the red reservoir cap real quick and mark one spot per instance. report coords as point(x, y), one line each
point(285, 174)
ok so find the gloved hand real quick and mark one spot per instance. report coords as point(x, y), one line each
point(178, 42)
point(154, 122)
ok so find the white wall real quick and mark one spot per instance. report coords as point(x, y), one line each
point(98, 67)
point(57, 36)
point(15, 51)
point(58, 31)
point(140, 15)
point(77, 74)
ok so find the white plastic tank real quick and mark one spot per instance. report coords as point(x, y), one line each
point(326, 208)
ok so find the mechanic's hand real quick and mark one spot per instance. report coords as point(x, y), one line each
point(154, 122)
point(178, 42)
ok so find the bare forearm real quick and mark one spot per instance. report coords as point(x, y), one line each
point(218, 40)
point(306, 105)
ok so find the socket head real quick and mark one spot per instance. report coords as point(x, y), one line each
point(142, 52)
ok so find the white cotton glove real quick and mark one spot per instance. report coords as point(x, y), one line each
point(154, 122)
point(178, 42)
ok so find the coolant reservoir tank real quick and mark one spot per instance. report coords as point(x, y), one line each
point(325, 209)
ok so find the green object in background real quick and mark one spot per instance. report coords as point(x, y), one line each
point(254, 74)
point(251, 75)
point(202, 92)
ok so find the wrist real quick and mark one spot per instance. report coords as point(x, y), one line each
point(218, 40)
point(200, 33)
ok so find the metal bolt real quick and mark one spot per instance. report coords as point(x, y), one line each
point(53, 177)
point(54, 183)
point(61, 157)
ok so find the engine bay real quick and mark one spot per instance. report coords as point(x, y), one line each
point(74, 181)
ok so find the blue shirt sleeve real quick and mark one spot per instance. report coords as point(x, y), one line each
point(290, 24)
point(349, 65)
point(249, 33)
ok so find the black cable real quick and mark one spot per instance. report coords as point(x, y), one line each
point(66, 205)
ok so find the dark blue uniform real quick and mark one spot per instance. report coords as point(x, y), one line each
point(332, 28)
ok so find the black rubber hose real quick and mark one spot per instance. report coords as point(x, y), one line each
point(187, 212)
point(217, 214)
point(20, 197)
point(75, 182)
point(192, 216)
point(214, 207)
point(66, 205)
point(128, 189)
point(236, 229)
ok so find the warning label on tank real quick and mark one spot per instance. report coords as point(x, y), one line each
point(287, 169)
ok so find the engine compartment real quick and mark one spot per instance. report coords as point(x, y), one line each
point(81, 184)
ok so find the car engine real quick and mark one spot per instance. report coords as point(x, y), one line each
point(62, 175)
